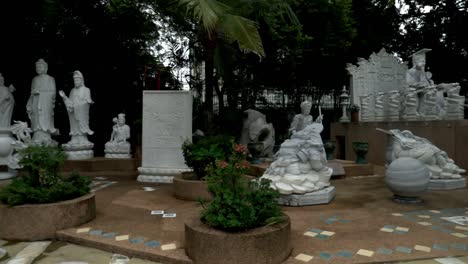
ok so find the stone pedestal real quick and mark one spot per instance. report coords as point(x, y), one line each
point(117, 151)
point(79, 152)
point(447, 184)
point(323, 196)
point(167, 123)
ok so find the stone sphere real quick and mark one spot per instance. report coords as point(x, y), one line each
point(407, 177)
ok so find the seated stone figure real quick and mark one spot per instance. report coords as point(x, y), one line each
point(421, 80)
point(118, 147)
point(300, 164)
point(405, 144)
point(300, 121)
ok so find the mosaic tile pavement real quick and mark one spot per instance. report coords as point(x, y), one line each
point(436, 220)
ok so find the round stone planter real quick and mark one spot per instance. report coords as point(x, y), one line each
point(31, 222)
point(407, 178)
point(190, 190)
point(264, 245)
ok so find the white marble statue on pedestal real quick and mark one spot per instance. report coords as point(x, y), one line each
point(393, 106)
point(255, 129)
point(300, 166)
point(7, 102)
point(367, 111)
point(78, 104)
point(379, 109)
point(405, 144)
point(118, 147)
point(40, 106)
point(410, 105)
point(418, 78)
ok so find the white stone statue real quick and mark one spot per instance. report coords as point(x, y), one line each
point(300, 166)
point(405, 144)
point(379, 109)
point(418, 78)
point(393, 106)
point(41, 103)
point(255, 129)
point(300, 121)
point(23, 139)
point(78, 104)
point(410, 105)
point(118, 147)
point(7, 102)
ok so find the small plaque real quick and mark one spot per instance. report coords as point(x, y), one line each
point(157, 212)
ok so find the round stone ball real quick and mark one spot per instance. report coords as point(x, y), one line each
point(407, 177)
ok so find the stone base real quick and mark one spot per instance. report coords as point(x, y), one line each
point(117, 156)
point(323, 196)
point(5, 175)
point(447, 184)
point(79, 152)
point(164, 175)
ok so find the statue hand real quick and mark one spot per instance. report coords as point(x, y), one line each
point(11, 88)
point(62, 94)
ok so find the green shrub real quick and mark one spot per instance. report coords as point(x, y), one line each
point(205, 152)
point(239, 204)
point(43, 184)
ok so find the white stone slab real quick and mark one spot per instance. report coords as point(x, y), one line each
point(447, 184)
point(167, 123)
point(323, 196)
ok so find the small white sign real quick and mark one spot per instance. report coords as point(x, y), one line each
point(148, 189)
point(157, 212)
point(459, 220)
point(100, 178)
point(170, 215)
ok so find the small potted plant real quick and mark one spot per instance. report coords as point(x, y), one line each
point(199, 156)
point(354, 110)
point(244, 212)
point(32, 206)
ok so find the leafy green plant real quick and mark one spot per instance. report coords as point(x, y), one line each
point(239, 204)
point(43, 184)
point(205, 152)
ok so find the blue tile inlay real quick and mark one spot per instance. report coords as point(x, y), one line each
point(385, 251)
point(440, 247)
point(345, 254)
point(404, 250)
point(137, 240)
point(447, 231)
point(152, 244)
point(109, 235)
point(459, 246)
point(322, 236)
point(315, 230)
point(400, 232)
point(325, 255)
point(346, 221)
point(95, 232)
point(329, 221)
point(390, 226)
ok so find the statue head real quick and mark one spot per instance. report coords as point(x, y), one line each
point(78, 79)
point(121, 119)
point(41, 66)
point(305, 107)
point(2, 80)
point(419, 59)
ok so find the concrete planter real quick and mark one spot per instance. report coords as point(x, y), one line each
point(264, 245)
point(190, 190)
point(31, 222)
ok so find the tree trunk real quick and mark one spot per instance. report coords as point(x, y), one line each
point(209, 74)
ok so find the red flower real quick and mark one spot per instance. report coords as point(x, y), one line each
point(222, 164)
point(240, 148)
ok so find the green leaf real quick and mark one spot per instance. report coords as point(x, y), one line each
point(243, 31)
